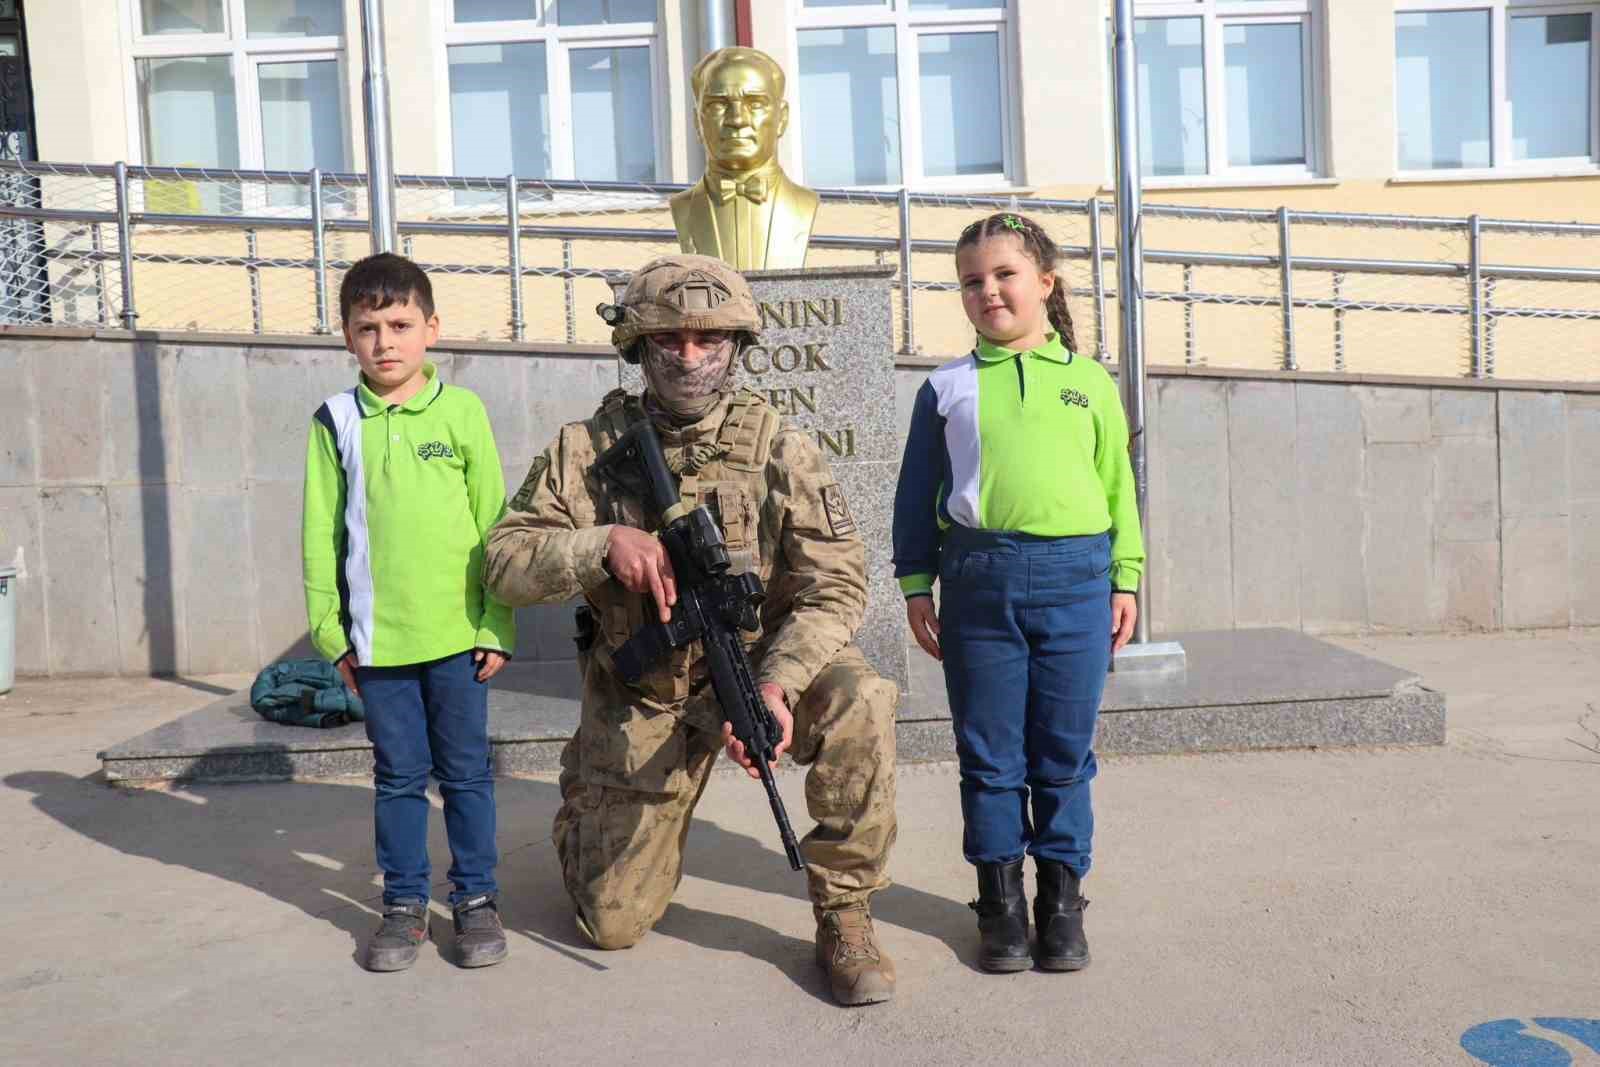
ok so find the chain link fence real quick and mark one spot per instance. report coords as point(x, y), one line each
point(527, 261)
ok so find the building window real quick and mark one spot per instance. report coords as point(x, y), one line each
point(1502, 84)
point(1225, 87)
point(238, 84)
point(898, 92)
point(554, 89)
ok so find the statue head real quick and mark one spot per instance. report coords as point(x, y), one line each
point(739, 107)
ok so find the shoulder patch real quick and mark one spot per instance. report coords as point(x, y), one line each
point(530, 484)
point(840, 521)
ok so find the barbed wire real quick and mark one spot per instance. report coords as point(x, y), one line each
point(234, 250)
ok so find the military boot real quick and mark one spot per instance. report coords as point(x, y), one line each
point(480, 938)
point(1058, 915)
point(858, 970)
point(1002, 909)
point(402, 932)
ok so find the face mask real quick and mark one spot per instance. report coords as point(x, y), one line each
point(686, 392)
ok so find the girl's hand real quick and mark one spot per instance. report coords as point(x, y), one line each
point(1124, 613)
point(924, 623)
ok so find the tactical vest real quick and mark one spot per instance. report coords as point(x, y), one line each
point(727, 474)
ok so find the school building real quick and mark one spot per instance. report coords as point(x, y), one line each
point(150, 480)
point(1438, 108)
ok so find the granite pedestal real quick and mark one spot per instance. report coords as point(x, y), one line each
point(1242, 689)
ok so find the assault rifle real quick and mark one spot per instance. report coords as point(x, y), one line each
point(713, 606)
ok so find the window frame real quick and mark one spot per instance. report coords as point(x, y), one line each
point(245, 54)
point(1501, 163)
point(559, 43)
point(1216, 16)
point(1000, 19)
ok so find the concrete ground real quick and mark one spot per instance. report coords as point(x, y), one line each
point(1287, 907)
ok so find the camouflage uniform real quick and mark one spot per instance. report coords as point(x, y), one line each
point(643, 753)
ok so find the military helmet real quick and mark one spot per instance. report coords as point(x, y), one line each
point(681, 292)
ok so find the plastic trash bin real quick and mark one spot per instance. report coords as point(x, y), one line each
point(8, 628)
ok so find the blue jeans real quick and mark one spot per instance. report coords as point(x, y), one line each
point(1025, 625)
point(431, 717)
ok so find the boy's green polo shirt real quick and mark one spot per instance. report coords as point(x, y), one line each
point(398, 501)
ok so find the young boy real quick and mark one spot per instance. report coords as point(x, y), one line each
point(402, 484)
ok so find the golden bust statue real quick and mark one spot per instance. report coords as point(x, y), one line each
point(745, 211)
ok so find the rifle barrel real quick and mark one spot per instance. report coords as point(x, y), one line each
point(791, 847)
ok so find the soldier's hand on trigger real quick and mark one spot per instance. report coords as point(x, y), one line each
point(640, 562)
point(773, 695)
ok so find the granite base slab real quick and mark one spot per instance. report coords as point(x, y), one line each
point(1241, 689)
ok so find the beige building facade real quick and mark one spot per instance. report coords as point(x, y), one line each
point(1396, 107)
point(1038, 70)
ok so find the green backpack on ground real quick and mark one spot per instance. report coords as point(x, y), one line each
point(304, 692)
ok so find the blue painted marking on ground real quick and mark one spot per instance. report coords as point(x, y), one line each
point(1508, 1042)
point(1584, 1030)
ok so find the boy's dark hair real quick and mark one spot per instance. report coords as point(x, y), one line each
point(384, 279)
point(1036, 244)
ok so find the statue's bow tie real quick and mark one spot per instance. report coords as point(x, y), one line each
point(752, 188)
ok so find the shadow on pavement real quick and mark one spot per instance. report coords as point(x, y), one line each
point(309, 844)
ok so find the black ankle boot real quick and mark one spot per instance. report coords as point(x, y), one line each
point(1058, 915)
point(1002, 917)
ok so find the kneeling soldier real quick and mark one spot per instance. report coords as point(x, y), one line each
point(643, 752)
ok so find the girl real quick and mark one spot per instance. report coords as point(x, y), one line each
point(1016, 492)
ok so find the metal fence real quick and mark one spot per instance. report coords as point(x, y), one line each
point(526, 261)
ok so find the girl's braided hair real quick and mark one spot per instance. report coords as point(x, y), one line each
point(1041, 249)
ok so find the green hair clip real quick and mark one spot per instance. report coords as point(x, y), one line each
point(1011, 222)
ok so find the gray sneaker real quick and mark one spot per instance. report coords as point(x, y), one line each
point(404, 929)
point(480, 938)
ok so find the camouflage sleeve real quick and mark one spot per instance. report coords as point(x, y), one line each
point(546, 550)
point(818, 591)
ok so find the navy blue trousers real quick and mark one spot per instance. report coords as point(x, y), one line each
point(431, 718)
point(1025, 626)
